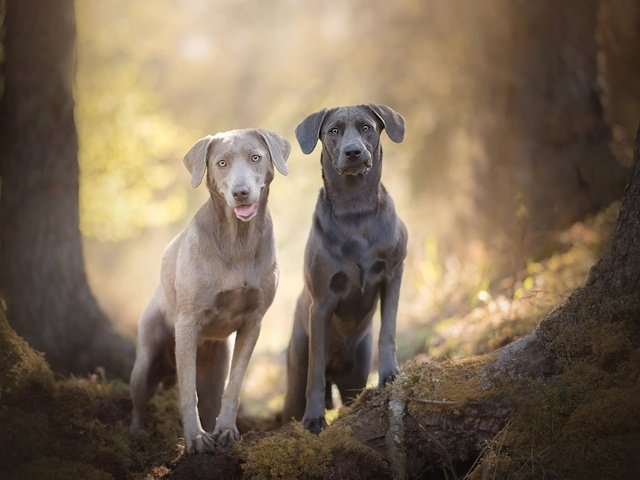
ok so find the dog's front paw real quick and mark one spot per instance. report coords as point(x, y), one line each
point(225, 436)
point(221, 439)
point(202, 443)
point(387, 377)
point(314, 425)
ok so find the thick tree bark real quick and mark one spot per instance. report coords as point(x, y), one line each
point(550, 161)
point(618, 271)
point(42, 276)
point(618, 38)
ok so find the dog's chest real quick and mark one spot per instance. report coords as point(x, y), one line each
point(229, 310)
point(238, 297)
point(357, 278)
point(237, 302)
point(357, 299)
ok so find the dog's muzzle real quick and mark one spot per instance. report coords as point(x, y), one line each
point(354, 160)
point(356, 169)
point(245, 205)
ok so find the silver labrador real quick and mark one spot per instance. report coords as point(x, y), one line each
point(218, 276)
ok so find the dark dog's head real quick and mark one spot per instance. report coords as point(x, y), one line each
point(239, 165)
point(350, 136)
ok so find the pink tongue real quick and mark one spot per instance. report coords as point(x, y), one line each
point(246, 210)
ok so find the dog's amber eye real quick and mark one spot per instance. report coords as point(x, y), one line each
point(365, 128)
point(222, 163)
point(334, 131)
point(255, 158)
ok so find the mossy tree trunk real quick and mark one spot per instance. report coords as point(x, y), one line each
point(42, 276)
point(618, 271)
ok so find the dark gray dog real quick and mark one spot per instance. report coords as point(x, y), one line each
point(353, 256)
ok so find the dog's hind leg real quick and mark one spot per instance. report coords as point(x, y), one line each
point(154, 337)
point(212, 371)
point(328, 396)
point(297, 365)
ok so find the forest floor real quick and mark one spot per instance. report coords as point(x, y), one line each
point(59, 427)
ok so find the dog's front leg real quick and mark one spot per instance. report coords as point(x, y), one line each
point(226, 431)
point(389, 298)
point(186, 335)
point(313, 419)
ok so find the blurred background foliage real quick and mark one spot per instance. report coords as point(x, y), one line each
point(129, 144)
point(501, 108)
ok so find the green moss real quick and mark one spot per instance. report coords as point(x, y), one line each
point(296, 453)
point(433, 386)
point(23, 435)
point(74, 427)
point(581, 422)
point(21, 367)
point(592, 326)
point(287, 455)
point(571, 431)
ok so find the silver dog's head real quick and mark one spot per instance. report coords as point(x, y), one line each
point(239, 166)
point(350, 135)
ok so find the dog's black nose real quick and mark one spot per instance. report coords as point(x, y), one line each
point(240, 193)
point(352, 152)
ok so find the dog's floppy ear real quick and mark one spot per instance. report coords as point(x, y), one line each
point(279, 148)
point(393, 122)
point(196, 159)
point(308, 132)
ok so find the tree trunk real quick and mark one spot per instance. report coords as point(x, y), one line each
point(545, 127)
point(618, 272)
point(42, 276)
point(618, 38)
